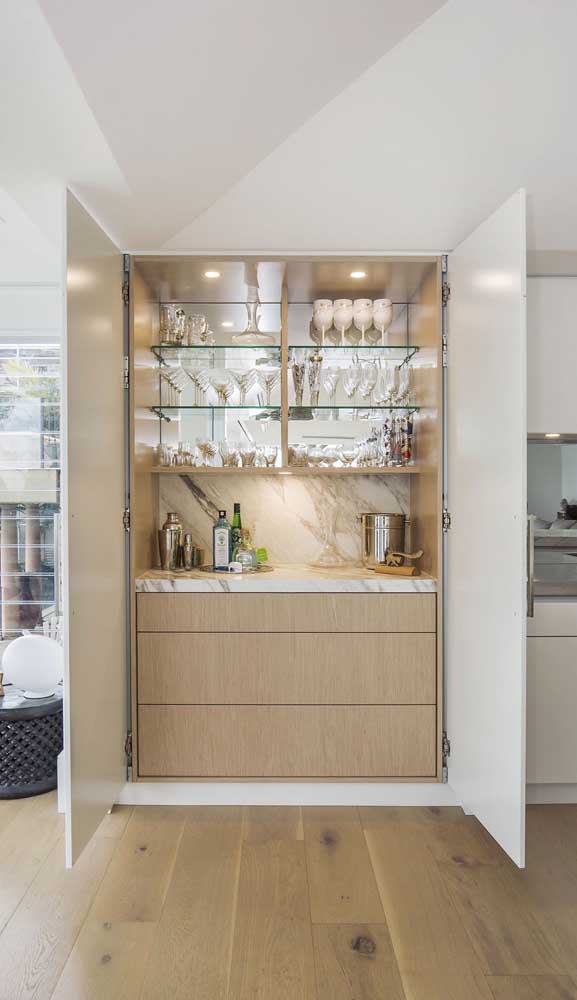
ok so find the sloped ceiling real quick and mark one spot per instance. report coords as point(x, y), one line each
point(191, 96)
point(476, 103)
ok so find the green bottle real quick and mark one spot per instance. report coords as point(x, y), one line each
point(236, 533)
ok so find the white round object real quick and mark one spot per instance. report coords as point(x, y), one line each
point(382, 314)
point(35, 664)
point(362, 314)
point(323, 314)
point(343, 314)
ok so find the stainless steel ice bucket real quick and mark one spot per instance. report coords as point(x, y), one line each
point(379, 533)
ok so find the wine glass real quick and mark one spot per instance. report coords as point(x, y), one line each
point(362, 316)
point(331, 378)
point(351, 381)
point(343, 316)
point(382, 316)
point(369, 378)
point(323, 312)
point(270, 452)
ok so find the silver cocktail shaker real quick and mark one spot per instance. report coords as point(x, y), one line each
point(169, 538)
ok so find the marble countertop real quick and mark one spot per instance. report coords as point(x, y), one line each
point(285, 579)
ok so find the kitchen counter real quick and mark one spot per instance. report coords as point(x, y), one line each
point(285, 579)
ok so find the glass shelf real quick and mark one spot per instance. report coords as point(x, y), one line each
point(401, 350)
point(167, 412)
point(353, 407)
point(162, 351)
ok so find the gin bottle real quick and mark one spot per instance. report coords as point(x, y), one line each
point(221, 542)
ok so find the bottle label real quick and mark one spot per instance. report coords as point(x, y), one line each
point(221, 548)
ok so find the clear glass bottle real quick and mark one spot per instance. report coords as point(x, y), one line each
point(221, 542)
point(244, 553)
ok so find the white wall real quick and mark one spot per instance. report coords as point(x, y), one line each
point(552, 355)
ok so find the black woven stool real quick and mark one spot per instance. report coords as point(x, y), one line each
point(30, 741)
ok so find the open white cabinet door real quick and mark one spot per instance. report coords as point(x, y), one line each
point(486, 544)
point(93, 491)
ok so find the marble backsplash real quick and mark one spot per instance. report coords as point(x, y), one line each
point(284, 513)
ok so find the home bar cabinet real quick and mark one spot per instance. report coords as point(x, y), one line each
point(319, 668)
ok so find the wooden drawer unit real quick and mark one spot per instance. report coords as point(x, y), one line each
point(313, 668)
point(286, 612)
point(287, 741)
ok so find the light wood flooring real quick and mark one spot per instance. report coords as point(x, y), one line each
point(286, 904)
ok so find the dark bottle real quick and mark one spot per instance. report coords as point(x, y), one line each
point(236, 527)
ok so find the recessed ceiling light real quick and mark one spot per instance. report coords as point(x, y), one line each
point(552, 435)
point(227, 323)
point(358, 274)
point(212, 274)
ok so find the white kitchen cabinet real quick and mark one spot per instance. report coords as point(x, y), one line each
point(551, 355)
point(482, 681)
point(552, 693)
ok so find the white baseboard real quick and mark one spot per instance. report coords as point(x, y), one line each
point(201, 793)
point(551, 794)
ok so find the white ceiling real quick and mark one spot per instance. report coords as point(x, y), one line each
point(314, 125)
point(191, 96)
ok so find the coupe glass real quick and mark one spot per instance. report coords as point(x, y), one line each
point(244, 381)
point(223, 386)
point(228, 451)
point(269, 381)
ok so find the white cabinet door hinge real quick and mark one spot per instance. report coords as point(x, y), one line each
point(447, 520)
point(126, 519)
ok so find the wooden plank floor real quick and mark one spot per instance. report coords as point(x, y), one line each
point(282, 903)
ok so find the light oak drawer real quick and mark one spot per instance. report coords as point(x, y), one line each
point(286, 668)
point(286, 612)
point(286, 742)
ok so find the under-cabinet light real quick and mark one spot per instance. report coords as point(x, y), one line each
point(227, 323)
point(552, 435)
point(358, 274)
point(212, 274)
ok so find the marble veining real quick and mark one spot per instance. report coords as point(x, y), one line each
point(284, 513)
point(291, 579)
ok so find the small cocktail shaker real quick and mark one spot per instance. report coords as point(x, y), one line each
point(169, 538)
point(188, 552)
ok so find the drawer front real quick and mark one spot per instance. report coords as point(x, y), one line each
point(310, 741)
point(286, 612)
point(313, 668)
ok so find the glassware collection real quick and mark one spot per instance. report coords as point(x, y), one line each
point(347, 374)
point(356, 322)
point(205, 453)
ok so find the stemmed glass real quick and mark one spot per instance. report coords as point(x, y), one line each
point(269, 381)
point(244, 381)
point(314, 376)
point(223, 386)
point(390, 384)
point(322, 317)
point(197, 329)
point(404, 385)
point(331, 378)
point(201, 381)
point(298, 370)
point(369, 378)
point(351, 381)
